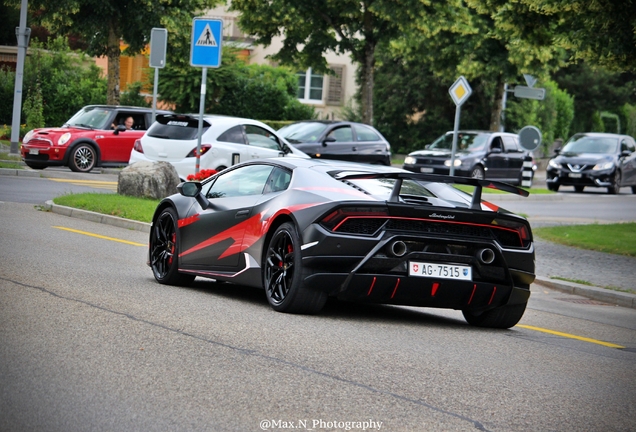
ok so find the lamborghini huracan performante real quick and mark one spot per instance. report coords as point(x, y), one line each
point(307, 229)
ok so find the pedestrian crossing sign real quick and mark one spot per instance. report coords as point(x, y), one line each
point(205, 49)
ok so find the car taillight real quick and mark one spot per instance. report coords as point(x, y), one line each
point(137, 147)
point(338, 217)
point(520, 230)
point(204, 149)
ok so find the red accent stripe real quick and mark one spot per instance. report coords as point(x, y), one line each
point(396, 287)
point(472, 294)
point(494, 290)
point(434, 290)
point(371, 287)
point(187, 221)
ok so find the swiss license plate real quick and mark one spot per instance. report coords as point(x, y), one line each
point(426, 170)
point(575, 175)
point(34, 151)
point(440, 271)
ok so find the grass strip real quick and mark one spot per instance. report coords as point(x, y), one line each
point(617, 239)
point(139, 209)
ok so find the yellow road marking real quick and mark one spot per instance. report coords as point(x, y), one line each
point(100, 236)
point(570, 336)
point(94, 183)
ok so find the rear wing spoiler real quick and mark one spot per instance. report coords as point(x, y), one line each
point(437, 178)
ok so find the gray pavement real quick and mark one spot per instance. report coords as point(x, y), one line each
point(610, 275)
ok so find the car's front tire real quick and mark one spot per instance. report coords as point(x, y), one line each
point(554, 187)
point(616, 183)
point(83, 158)
point(282, 275)
point(164, 250)
point(478, 173)
point(502, 317)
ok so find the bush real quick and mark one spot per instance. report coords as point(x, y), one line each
point(133, 97)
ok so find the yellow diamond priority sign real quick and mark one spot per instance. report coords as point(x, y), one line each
point(460, 91)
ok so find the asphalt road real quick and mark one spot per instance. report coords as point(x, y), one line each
point(89, 341)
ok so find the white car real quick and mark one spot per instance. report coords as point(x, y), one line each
point(225, 141)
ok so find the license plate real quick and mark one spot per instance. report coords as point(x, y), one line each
point(34, 151)
point(426, 170)
point(440, 271)
point(575, 175)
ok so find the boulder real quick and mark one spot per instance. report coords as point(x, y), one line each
point(148, 180)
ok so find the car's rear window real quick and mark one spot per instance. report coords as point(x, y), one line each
point(176, 128)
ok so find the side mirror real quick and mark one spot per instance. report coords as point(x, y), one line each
point(625, 153)
point(119, 128)
point(557, 150)
point(495, 150)
point(328, 140)
point(192, 189)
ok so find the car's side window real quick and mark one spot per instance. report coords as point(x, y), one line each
point(278, 180)
point(496, 144)
point(342, 134)
point(233, 135)
point(509, 144)
point(259, 137)
point(365, 134)
point(247, 180)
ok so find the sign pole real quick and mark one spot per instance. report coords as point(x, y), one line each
point(458, 109)
point(154, 94)
point(204, 77)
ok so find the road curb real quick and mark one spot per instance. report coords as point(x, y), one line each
point(595, 293)
point(97, 217)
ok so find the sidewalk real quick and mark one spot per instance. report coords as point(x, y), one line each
point(569, 262)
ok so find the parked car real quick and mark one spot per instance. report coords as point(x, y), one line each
point(307, 229)
point(479, 154)
point(341, 140)
point(225, 141)
point(95, 136)
point(594, 160)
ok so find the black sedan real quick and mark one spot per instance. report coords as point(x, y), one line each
point(594, 160)
point(305, 230)
point(478, 154)
point(341, 140)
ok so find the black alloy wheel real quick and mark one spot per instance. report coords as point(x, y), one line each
point(164, 250)
point(83, 158)
point(282, 275)
point(478, 173)
point(502, 317)
point(616, 183)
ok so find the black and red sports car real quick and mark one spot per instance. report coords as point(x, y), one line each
point(306, 229)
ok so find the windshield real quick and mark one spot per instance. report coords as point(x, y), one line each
point(587, 144)
point(465, 142)
point(302, 132)
point(91, 117)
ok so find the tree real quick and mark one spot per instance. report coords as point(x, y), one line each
point(103, 23)
point(311, 28)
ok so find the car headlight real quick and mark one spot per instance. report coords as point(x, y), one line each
point(409, 160)
point(64, 138)
point(604, 165)
point(554, 164)
point(457, 163)
point(27, 137)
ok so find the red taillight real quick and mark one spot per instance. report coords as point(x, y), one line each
point(336, 218)
point(137, 147)
point(204, 149)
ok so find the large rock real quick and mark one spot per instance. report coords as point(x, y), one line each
point(148, 180)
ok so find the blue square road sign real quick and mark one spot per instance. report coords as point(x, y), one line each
point(205, 49)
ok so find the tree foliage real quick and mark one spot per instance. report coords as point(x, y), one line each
point(311, 28)
point(102, 23)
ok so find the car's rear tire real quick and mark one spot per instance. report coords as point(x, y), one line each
point(35, 165)
point(83, 158)
point(553, 187)
point(283, 275)
point(164, 250)
point(634, 189)
point(502, 317)
point(579, 188)
point(478, 173)
point(616, 183)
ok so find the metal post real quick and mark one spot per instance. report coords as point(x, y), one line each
point(204, 77)
point(23, 34)
point(154, 94)
point(504, 99)
point(458, 109)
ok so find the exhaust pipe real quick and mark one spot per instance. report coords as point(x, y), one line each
point(398, 248)
point(486, 255)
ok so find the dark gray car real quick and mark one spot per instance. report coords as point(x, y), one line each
point(479, 154)
point(341, 140)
